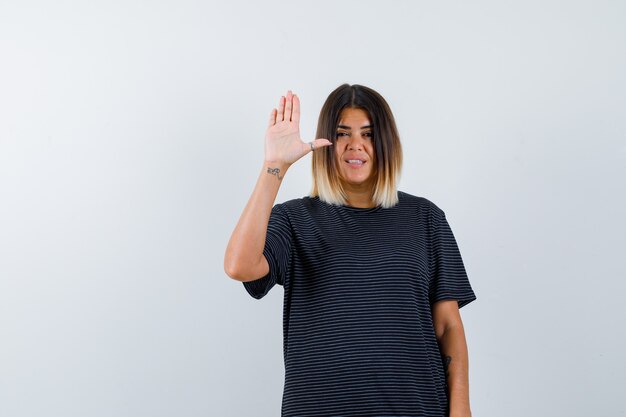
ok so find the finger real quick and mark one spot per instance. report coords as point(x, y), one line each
point(295, 113)
point(318, 143)
point(272, 120)
point(281, 109)
point(288, 106)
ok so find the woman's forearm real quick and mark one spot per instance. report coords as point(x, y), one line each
point(454, 349)
point(244, 260)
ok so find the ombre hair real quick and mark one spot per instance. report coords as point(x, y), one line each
point(386, 141)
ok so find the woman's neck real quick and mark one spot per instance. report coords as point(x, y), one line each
point(359, 198)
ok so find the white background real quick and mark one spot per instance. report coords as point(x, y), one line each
point(131, 135)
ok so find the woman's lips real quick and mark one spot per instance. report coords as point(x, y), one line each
point(355, 163)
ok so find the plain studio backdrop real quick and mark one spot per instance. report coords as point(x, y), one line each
point(131, 136)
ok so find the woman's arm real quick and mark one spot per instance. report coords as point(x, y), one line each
point(244, 260)
point(451, 338)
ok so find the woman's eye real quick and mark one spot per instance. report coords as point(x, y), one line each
point(345, 134)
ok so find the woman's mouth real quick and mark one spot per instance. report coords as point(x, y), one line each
point(355, 162)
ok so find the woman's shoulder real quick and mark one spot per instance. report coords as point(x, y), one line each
point(414, 200)
point(423, 204)
point(297, 203)
point(296, 206)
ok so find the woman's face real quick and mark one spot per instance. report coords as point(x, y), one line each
point(354, 148)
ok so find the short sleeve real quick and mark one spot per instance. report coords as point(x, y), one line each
point(448, 278)
point(277, 251)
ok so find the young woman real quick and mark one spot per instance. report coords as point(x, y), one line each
point(373, 278)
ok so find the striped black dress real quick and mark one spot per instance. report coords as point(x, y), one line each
point(359, 285)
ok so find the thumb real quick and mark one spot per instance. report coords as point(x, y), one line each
point(320, 143)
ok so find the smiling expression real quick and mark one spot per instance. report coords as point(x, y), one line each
point(354, 148)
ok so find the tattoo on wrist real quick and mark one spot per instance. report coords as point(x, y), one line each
point(275, 171)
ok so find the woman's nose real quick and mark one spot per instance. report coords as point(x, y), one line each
point(356, 143)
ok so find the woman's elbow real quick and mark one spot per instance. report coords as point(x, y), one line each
point(243, 271)
point(233, 269)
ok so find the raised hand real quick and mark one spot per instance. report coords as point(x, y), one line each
point(283, 144)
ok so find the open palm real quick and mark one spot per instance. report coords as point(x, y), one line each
point(283, 143)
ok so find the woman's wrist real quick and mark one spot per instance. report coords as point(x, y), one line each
point(275, 168)
point(460, 410)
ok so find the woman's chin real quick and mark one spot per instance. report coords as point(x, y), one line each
point(357, 182)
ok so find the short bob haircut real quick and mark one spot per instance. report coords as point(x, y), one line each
point(387, 148)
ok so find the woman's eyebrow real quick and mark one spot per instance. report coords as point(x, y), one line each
point(349, 128)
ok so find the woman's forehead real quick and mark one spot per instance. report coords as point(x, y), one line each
point(354, 118)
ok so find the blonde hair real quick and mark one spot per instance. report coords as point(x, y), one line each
point(387, 147)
